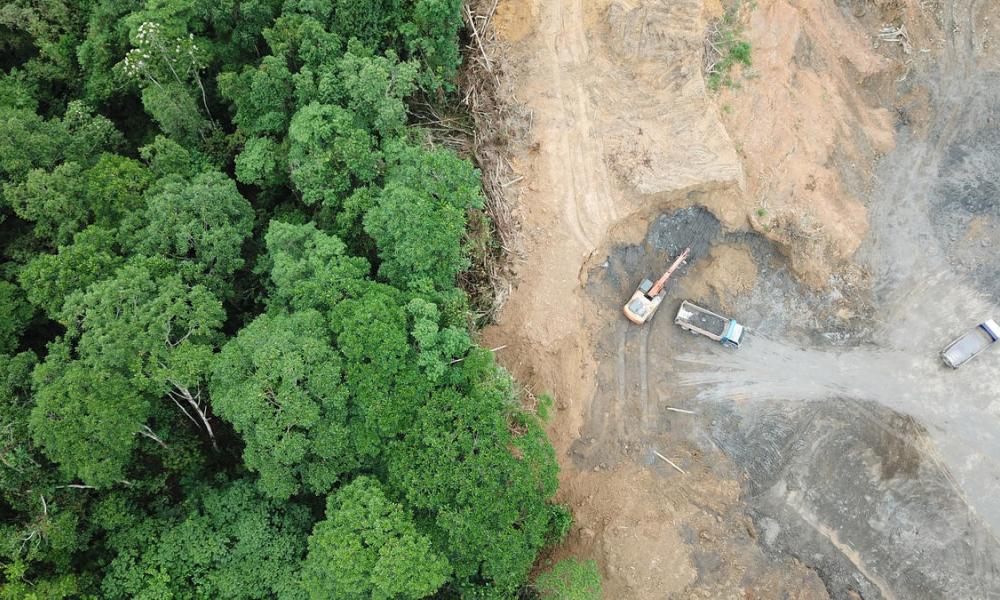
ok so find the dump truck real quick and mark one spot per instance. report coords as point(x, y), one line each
point(648, 296)
point(696, 319)
point(966, 347)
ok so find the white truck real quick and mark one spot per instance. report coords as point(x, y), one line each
point(969, 345)
point(696, 319)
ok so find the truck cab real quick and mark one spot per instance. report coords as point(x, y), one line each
point(733, 335)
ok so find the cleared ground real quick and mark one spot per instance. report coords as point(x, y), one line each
point(832, 455)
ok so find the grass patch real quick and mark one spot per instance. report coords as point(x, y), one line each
point(725, 47)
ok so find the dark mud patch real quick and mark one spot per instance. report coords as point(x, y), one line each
point(839, 485)
point(965, 203)
point(898, 454)
point(667, 236)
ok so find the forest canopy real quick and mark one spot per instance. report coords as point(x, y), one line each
point(234, 359)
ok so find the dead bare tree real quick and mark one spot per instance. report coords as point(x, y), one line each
point(182, 393)
point(896, 35)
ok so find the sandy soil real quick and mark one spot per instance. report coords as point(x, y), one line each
point(623, 129)
point(800, 117)
point(729, 271)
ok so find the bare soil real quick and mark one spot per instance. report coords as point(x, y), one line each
point(822, 459)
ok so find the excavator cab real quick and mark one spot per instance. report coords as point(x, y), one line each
point(641, 306)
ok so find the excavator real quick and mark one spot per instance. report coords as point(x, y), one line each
point(649, 295)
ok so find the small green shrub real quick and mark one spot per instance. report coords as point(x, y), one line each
point(570, 579)
point(725, 48)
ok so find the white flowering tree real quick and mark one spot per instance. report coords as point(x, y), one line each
point(168, 69)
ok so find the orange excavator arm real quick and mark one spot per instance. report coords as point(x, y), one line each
point(658, 286)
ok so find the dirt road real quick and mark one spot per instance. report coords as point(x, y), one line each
point(832, 455)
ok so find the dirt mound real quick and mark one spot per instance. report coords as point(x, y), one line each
point(809, 119)
point(729, 272)
point(662, 135)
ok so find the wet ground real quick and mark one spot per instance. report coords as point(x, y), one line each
point(860, 454)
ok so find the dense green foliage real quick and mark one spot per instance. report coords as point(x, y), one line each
point(229, 319)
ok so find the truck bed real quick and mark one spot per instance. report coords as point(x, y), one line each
point(699, 318)
point(967, 346)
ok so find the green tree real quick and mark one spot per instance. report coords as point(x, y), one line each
point(372, 88)
point(64, 201)
point(114, 188)
point(279, 383)
point(51, 30)
point(176, 111)
point(86, 134)
point(380, 366)
point(200, 223)
point(419, 220)
point(29, 142)
point(105, 42)
point(49, 278)
point(19, 467)
point(438, 345)
point(53, 201)
point(18, 587)
point(457, 461)
point(145, 323)
point(369, 548)
point(310, 269)
point(329, 154)
point(373, 23)
point(219, 543)
point(262, 97)
point(44, 525)
point(87, 420)
point(15, 314)
point(167, 66)
point(132, 342)
point(431, 35)
point(301, 38)
point(262, 162)
point(570, 579)
point(166, 157)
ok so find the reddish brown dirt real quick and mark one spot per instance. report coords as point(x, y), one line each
point(622, 128)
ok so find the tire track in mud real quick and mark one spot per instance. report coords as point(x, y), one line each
point(587, 206)
point(794, 500)
point(644, 410)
